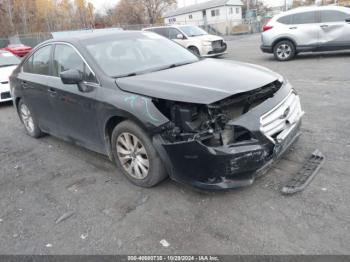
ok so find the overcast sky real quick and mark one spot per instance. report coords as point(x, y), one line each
point(101, 5)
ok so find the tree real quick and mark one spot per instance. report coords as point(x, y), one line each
point(155, 8)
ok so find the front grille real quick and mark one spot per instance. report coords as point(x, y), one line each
point(5, 95)
point(217, 44)
point(282, 118)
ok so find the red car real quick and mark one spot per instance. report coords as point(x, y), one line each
point(18, 49)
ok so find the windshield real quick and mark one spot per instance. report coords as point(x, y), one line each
point(137, 53)
point(8, 59)
point(192, 30)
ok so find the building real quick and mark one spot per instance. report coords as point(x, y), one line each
point(207, 13)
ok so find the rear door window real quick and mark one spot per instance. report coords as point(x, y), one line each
point(329, 16)
point(304, 18)
point(162, 31)
point(39, 62)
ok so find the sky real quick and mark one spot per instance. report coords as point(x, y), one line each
point(101, 5)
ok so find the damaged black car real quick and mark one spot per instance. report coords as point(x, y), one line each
point(156, 109)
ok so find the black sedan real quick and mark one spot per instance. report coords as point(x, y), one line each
point(156, 109)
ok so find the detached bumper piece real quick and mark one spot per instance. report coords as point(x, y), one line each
point(306, 174)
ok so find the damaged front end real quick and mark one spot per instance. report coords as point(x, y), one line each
point(226, 144)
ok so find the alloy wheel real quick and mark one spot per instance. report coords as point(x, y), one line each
point(27, 118)
point(132, 155)
point(284, 51)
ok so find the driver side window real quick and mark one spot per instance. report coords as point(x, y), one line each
point(173, 33)
point(66, 58)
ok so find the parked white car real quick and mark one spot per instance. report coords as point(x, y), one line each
point(8, 63)
point(193, 38)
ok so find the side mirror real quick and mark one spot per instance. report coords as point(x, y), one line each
point(180, 36)
point(71, 77)
point(347, 20)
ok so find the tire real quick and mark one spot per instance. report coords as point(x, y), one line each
point(135, 155)
point(284, 50)
point(194, 50)
point(29, 120)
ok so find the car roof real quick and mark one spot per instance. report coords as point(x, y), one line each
point(312, 8)
point(90, 36)
point(167, 26)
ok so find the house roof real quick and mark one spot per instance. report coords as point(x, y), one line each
point(202, 6)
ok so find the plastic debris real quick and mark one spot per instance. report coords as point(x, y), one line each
point(164, 243)
point(48, 245)
point(64, 217)
point(84, 236)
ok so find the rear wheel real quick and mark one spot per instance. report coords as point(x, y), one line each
point(135, 155)
point(284, 50)
point(28, 119)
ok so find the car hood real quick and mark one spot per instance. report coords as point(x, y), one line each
point(207, 38)
point(5, 73)
point(203, 82)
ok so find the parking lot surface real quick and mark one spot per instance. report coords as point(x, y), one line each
point(57, 198)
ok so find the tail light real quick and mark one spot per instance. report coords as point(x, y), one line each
point(267, 26)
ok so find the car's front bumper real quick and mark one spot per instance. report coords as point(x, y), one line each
point(233, 165)
point(209, 51)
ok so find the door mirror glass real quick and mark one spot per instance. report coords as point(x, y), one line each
point(71, 77)
point(180, 36)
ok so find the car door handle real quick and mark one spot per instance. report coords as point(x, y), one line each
point(323, 26)
point(294, 27)
point(52, 92)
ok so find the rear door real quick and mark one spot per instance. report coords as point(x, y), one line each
point(304, 29)
point(77, 110)
point(33, 78)
point(335, 29)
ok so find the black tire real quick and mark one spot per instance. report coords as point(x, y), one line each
point(194, 50)
point(34, 131)
point(284, 50)
point(156, 171)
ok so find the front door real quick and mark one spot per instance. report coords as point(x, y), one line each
point(304, 29)
point(77, 109)
point(335, 29)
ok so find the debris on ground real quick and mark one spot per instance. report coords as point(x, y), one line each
point(48, 245)
point(305, 175)
point(164, 243)
point(84, 236)
point(64, 217)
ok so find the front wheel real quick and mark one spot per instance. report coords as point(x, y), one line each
point(284, 50)
point(135, 155)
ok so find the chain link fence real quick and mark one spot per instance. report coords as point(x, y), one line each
point(223, 28)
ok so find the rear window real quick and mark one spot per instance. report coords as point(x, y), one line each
point(8, 59)
point(333, 16)
point(304, 18)
point(285, 19)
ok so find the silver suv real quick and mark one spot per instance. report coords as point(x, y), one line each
point(307, 29)
point(193, 38)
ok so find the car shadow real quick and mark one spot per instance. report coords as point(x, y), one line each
point(315, 55)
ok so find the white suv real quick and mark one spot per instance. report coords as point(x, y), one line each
point(193, 38)
point(307, 29)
